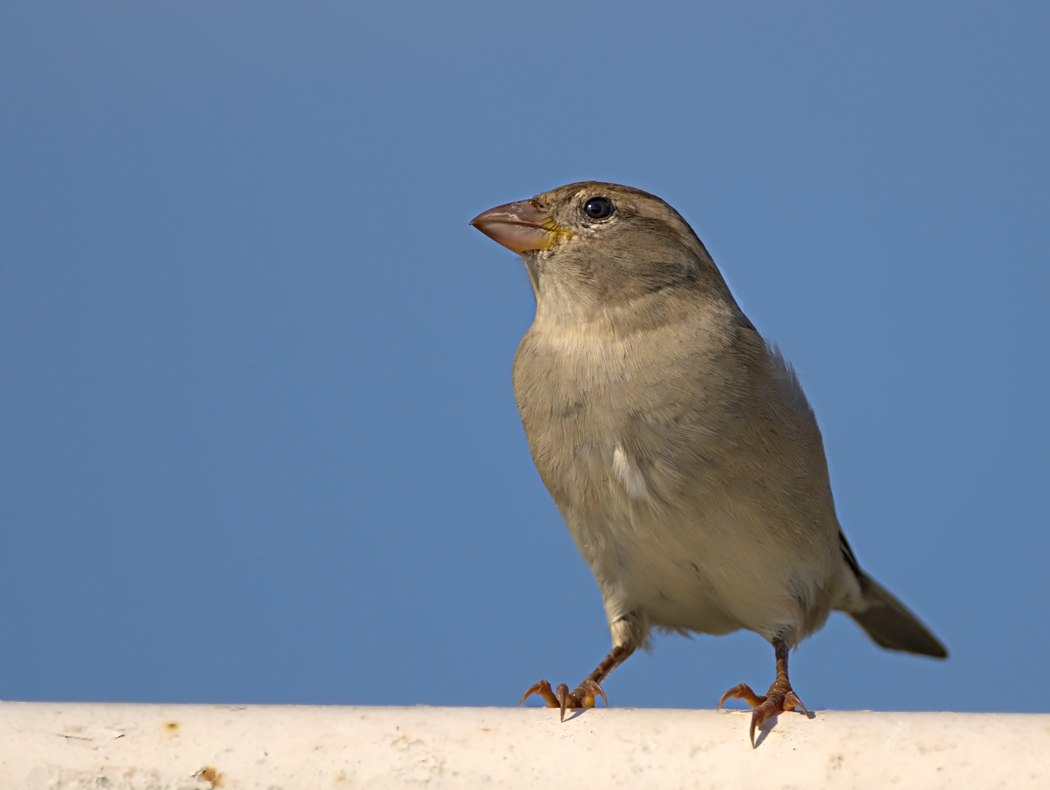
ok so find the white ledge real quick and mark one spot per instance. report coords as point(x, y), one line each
point(178, 747)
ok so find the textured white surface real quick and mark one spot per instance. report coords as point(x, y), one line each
point(54, 745)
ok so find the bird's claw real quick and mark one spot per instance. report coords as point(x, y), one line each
point(583, 697)
point(780, 697)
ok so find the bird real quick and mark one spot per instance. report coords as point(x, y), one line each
point(677, 443)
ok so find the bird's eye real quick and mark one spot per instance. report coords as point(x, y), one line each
point(598, 208)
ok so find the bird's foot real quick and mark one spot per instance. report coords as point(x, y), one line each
point(779, 697)
point(583, 697)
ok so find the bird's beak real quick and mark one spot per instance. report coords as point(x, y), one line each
point(521, 227)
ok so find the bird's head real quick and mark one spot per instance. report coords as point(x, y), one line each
point(592, 246)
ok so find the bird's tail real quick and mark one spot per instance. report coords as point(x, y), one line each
point(889, 623)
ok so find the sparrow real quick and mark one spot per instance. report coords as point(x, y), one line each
point(676, 442)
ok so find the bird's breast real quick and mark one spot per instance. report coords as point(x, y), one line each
point(595, 423)
point(667, 489)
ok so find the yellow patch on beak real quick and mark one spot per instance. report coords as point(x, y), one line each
point(554, 231)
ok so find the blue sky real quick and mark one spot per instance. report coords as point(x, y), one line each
point(258, 441)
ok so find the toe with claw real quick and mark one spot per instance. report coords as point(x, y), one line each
point(780, 696)
point(583, 697)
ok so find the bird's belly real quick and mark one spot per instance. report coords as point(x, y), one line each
point(678, 577)
point(671, 529)
point(689, 568)
point(679, 598)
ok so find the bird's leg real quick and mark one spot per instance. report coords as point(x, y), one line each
point(779, 697)
point(585, 694)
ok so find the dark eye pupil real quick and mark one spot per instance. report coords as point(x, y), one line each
point(598, 208)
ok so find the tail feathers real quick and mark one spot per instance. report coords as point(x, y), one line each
point(890, 625)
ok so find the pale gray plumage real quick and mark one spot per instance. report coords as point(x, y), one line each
point(677, 444)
